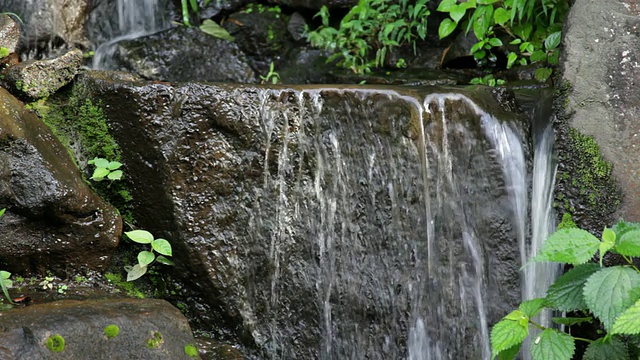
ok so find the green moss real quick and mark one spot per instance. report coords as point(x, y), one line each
point(191, 350)
point(567, 222)
point(55, 343)
point(155, 341)
point(128, 287)
point(111, 331)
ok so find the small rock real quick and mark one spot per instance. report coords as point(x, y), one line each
point(36, 79)
point(9, 33)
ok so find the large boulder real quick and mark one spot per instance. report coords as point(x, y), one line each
point(54, 221)
point(601, 67)
point(96, 329)
point(9, 33)
point(327, 222)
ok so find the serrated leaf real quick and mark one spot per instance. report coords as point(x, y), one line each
point(163, 260)
point(610, 291)
point(569, 321)
point(609, 349)
point(99, 173)
point(566, 292)
point(114, 165)
point(623, 227)
point(136, 272)
point(212, 28)
point(162, 246)
point(446, 28)
point(629, 321)
point(507, 333)
point(629, 243)
point(145, 258)
point(140, 236)
point(573, 246)
point(551, 344)
point(510, 353)
point(115, 175)
point(533, 307)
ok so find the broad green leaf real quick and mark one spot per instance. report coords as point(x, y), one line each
point(610, 291)
point(495, 42)
point(482, 20)
point(510, 353)
point(4, 274)
point(552, 344)
point(99, 173)
point(4, 284)
point(114, 165)
point(607, 348)
point(629, 322)
point(533, 307)
point(136, 272)
point(507, 334)
point(569, 321)
point(500, 16)
point(446, 28)
point(98, 162)
point(629, 243)
point(538, 55)
point(608, 236)
point(543, 73)
point(623, 227)
point(572, 246)
point(566, 292)
point(212, 28)
point(553, 40)
point(140, 236)
point(447, 5)
point(511, 59)
point(162, 246)
point(115, 175)
point(457, 13)
point(145, 258)
point(163, 260)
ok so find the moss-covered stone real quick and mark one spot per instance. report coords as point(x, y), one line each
point(585, 186)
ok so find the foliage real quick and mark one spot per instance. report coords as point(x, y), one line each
point(212, 28)
point(487, 80)
point(111, 331)
point(191, 350)
point(370, 31)
point(609, 296)
point(55, 343)
point(146, 258)
point(272, 76)
point(105, 169)
point(533, 28)
point(128, 287)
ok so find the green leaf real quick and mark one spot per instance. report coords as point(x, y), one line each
point(136, 272)
point(511, 59)
point(553, 40)
point(98, 162)
point(212, 28)
point(446, 28)
point(622, 228)
point(4, 274)
point(145, 258)
point(533, 307)
point(538, 55)
point(163, 260)
point(573, 246)
point(566, 292)
point(610, 291)
point(501, 16)
point(115, 175)
point(608, 236)
point(99, 173)
point(509, 332)
point(510, 353)
point(551, 344)
point(629, 243)
point(140, 236)
point(629, 321)
point(542, 74)
point(2, 212)
point(607, 348)
point(495, 42)
point(457, 13)
point(569, 321)
point(4, 284)
point(447, 5)
point(162, 246)
point(114, 165)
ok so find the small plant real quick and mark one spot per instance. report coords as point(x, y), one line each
point(55, 343)
point(605, 296)
point(5, 284)
point(47, 283)
point(155, 341)
point(105, 169)
point(62, 289)
point(212, 28)
point(111, 331)
point(488, 80)
point(272, 76)
point(191, 350)
point(146, 258)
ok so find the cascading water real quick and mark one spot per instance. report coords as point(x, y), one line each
point(135, 18)
point(391, 223)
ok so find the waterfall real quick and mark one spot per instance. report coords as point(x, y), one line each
point(391, 225)
point(135, 18)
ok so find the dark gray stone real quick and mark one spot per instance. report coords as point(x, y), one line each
point(286, 204)
point(36, 79)
point(184, 54)
point(54, 221)
point(24, 330)
point(601, 63)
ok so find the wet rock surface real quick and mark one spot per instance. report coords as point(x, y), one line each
point(289, 204)
point(9, 33)
point(36, 79)
point(54, 221)
point(147, 329)
point(184, 54)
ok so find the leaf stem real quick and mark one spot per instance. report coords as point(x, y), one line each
point(630, 263)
